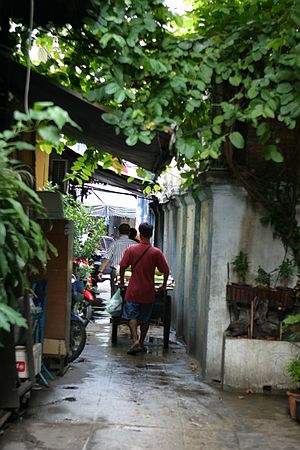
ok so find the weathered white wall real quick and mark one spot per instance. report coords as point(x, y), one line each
point(258, 364)
point(211, 230)
point(189, 282)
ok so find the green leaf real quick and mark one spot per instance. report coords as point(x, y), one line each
point(150, 23)
point(60, 117)
point(8, 134)
point(132, 139)
point(283, 75)
point(276, 43)
point(109, 36)
point(217, 129)
point(179, 20)
point(296, 12)
point(236, 80)
point(178, 83)
point(205, 73)
point(22, 145)
point(19, 211)
point(145, 138)
point(185, 45)
point(4, 269)
point(95, 94)
point(2, 234)
point(9, 316)
point(271, 153)
point(262, 128)
point(111, 88)
point(268, 112)
point(110, 118)
point(119, 96)
point(118, 73)
point(252, 92)
point(20, 262)
point(47, 148)
point(218, 120)
point(237, 139)
point(50, 134)
point(284, 88)
point(4, 323)
point(42, 105)
point(20, 116)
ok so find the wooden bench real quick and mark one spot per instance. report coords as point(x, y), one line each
point(161, 315)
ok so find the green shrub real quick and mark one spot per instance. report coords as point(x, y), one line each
point(241, 265)
point(263, 277)
point(294, 369)
point(87, 229)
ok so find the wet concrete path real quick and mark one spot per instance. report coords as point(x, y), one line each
point(108, 400)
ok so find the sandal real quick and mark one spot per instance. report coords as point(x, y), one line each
point(134, 350)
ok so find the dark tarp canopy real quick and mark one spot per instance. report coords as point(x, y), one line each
point(109, 177)
point(58, 12)
point(94, 131)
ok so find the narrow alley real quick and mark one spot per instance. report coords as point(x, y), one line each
point(108, 400)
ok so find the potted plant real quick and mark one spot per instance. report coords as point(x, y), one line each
point(263, 278)
point(241, 266)
point(293, 369)
point(291, 328)
point(285, 271)
point(291, 332)
point(240, 292)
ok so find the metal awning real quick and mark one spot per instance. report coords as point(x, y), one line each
point(94, 131)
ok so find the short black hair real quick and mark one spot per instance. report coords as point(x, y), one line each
point(124, 228)
point(146, 229)
point(132, 233)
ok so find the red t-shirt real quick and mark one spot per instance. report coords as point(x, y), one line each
point(141, 285)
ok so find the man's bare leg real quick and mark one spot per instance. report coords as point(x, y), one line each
point(144, 331)
point(133, 329)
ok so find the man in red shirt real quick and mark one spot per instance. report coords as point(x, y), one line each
point(140, 293)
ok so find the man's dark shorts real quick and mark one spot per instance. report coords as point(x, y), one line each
point(137, 311)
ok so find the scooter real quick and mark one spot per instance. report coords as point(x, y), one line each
point(81, 300)
point(85, 289)
point(80, 317)
point(77, 337)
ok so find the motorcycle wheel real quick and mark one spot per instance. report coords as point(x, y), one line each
point(85, 311)
point(77, 339)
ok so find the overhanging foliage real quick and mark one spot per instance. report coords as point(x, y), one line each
point(228, 63)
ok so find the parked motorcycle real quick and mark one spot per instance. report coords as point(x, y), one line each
point(85, 294)
point(80, 317)
point(77, 337)
point(81, 300)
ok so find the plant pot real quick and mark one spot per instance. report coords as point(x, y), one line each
point(292, 397)
point(286, 297)
point(298, 410)
point(277, 297)
point(239, 293)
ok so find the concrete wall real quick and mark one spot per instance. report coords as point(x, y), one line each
point(201, 236)
point(258, 364)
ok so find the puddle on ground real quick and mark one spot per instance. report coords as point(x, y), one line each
point(70, 399)
point(70, 387)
